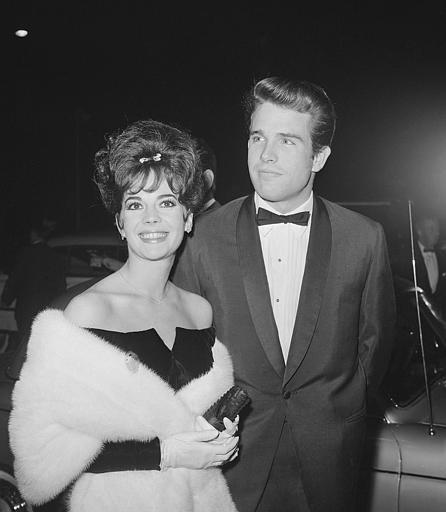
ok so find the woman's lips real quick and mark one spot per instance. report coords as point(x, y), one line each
point(153, 236)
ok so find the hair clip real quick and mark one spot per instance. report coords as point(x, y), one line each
point(155, 158)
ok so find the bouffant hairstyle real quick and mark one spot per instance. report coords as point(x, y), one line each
point(148, 148)
point(301, 96)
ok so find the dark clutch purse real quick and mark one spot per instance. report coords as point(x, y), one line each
point(227, 406)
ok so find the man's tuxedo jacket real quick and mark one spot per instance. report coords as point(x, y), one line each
point(439, 295)
point(339, 350)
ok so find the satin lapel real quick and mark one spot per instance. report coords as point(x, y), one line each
point(313, 284)
point(256, 284)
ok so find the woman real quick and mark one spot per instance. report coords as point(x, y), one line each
point(109, 399)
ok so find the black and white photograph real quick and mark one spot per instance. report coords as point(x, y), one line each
point(223, 257)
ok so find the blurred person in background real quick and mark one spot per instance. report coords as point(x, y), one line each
point(209, 169)
point(430, 260)
point(37, 277)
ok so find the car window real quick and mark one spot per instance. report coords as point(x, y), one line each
point(86, 260)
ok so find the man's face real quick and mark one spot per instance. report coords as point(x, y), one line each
point(280, 156)
point(429, 232)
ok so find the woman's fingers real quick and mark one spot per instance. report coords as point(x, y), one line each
point(227, 448)
point(223, 459)
point(231, 427)
point(234, 455)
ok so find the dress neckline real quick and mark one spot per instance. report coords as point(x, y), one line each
point(171, 350)
point(177, 328)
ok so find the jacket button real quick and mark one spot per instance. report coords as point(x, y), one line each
point(286, 394)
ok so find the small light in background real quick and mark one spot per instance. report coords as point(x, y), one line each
point(21, 33)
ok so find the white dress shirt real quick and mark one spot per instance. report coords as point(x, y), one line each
point(431, 262)
point(284, 248)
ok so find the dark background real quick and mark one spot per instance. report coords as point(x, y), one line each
point(89, 68)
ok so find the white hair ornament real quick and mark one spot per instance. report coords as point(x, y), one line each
point(154, 158)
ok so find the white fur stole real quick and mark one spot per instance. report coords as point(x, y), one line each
point(76, 392)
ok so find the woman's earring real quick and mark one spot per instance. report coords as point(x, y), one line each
point(189, 222)
point(118, 227)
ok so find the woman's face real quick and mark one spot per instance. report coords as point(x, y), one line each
point(153, 222)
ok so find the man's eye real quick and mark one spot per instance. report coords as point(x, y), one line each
point(256, 138)
point(288, 142)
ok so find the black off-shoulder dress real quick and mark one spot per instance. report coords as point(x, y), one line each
point(190, 357)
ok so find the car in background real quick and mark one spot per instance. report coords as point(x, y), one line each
point(404, 466)
point(88, 256)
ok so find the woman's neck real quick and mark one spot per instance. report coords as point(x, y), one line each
point(148, 279)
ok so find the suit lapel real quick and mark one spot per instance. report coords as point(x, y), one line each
point(256, 284)
point(313, 284)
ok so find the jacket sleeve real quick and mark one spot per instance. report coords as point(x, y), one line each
point(377, 315)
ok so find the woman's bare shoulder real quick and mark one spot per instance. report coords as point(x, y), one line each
point(88, 307)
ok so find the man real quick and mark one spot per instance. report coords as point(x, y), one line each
point(37, 278)
point(430, 260)
point(306, 311)
point(209, 164)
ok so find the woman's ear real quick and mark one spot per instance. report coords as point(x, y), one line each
point(189, 222)
point(118, 226)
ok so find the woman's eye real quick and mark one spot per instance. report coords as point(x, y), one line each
point(134, 205)
point(168, 203)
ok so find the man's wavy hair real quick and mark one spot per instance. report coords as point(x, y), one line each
point(300, 96)
point(147, 148)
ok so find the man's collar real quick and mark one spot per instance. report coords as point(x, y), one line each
point(261, 203)
point(423, 248)
point(208, 204)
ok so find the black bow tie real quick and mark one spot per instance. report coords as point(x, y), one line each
point(428, 250)
point(266, 217)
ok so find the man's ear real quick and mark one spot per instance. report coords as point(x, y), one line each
point(208, 177)
point(320, 158)
point(189, 222)
point(118, 226)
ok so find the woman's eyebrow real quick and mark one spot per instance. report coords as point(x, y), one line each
point(163, 196)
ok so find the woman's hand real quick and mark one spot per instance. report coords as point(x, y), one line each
point(197, 450)
point(231, 427)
